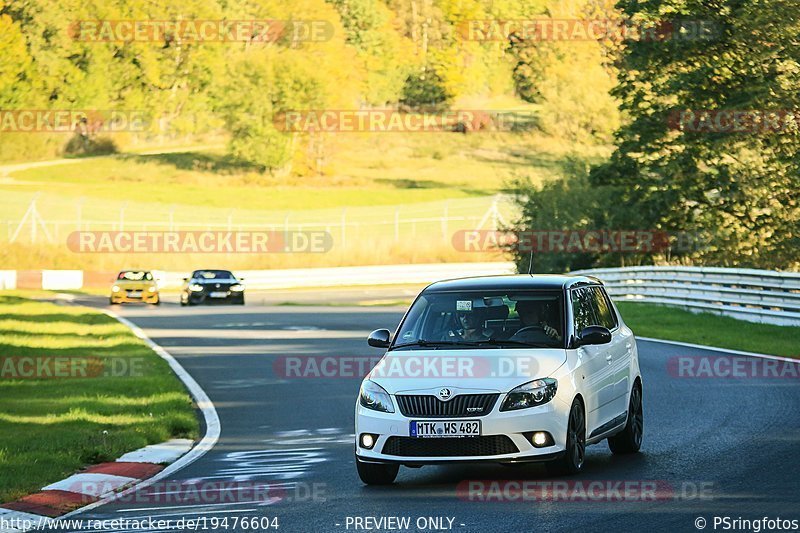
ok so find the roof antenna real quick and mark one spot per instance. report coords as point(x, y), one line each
point(530, 263)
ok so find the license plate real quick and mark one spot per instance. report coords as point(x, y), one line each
point(134, 294)
point(218, 294)
point(445, 428)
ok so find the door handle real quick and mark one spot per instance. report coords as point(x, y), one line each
point(628, 345)
point(608, 358)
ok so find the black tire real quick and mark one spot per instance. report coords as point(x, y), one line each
point(629, 440)
point(112, 302)
point(575, 454)
point(377, 473)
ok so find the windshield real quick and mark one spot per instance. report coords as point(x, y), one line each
point(135, 276)
point(484, 318)
point(212, 274)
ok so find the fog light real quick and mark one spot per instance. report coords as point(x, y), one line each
point(368, 441)
point(540, 439)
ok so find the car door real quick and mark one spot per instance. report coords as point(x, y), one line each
point(597, 373)
point(619, 349)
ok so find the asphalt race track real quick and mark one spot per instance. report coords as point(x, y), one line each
point(714, 446)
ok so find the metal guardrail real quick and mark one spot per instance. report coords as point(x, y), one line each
point(747, 294)
point(753, 295)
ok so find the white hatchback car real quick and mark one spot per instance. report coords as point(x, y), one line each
point(504, 369)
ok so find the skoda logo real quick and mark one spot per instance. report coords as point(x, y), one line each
point(444, 394)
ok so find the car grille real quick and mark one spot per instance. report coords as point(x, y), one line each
point(461, 405)
point(450, 446)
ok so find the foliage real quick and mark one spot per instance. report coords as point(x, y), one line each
point(737, 191)
point(740, 189)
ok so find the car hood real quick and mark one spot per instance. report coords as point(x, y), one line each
point(496, 369)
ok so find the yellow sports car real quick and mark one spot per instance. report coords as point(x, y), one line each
point(134, 286)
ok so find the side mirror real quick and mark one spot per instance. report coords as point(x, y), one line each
point(594, 335)
point(379, 338)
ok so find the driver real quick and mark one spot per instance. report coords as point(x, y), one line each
point(532, 314)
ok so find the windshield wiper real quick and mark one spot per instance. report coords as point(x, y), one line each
point(508, 342)
point(432, 344)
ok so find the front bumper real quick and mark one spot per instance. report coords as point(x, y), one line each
point(123, 298)
point(203, 297)
point(551, 417)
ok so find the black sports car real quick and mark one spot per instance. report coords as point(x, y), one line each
point(212, 286)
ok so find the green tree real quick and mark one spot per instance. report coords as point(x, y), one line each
point(739, 190)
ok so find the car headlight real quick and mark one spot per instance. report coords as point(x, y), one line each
point(151, 289)
point(115, 288)
point(237, 288)
point(373, 396)
point(531, 394)
point(195, 287)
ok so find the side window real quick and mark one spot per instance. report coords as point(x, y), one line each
point(583, 308)
point(605, 314)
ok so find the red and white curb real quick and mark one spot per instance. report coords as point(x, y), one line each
point(92, 484)
point(106, 482)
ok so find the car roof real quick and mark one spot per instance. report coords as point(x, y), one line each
point(513, 282)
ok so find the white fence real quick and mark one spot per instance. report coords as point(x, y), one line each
point(51, 220)
point(747, 294)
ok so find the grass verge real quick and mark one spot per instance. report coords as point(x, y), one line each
point(53, 426)
point(669, 323)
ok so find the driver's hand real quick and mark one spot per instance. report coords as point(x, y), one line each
point(551, 331)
